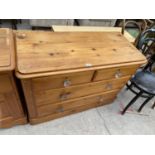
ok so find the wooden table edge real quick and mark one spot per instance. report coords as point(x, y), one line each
point(48, 73)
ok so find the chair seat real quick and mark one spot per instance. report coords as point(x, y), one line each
point(145, 80)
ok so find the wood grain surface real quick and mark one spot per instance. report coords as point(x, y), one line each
point(63, 28)
point(11, 109)
point(42, 52)
point(7, 53)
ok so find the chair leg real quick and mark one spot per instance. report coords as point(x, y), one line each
point(153, 106)
point(128, 86)
point(145, 102)
point(132, 102)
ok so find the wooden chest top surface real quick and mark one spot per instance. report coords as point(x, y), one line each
point(43, 52)
point(6, 50)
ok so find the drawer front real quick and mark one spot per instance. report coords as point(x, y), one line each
point(5, 84)
point(61, 81)
point(116, 73)
point(95, 100)
point(60, 95)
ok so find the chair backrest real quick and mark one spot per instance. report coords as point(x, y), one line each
point(146, 41)
point(149, 33)
point(147, 47)
point(146, 44)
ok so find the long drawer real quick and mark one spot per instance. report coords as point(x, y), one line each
point(60, 95)
point(61, 107)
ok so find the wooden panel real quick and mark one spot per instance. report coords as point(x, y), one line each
point(1, 97)
point(59, 28)
point(6, 50)
point(5, 83)
point(28, 93)
point(116, 72)
point(8, 122)
point(11, 110)
point(4, 109)
point(61, 81)
point(55, 51)
point(14, 105)
point(58, 95)
point(99, 99)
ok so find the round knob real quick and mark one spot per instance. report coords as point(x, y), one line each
point(109, 86)
point(101, 100)
point(118, 74)
point(61, 109)
point(21, 35)
point(67, 83)
point(64, 96)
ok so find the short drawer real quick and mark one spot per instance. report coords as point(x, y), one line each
point(60, 95)
point(61, 81)
point(116, 73)
point(94, 100)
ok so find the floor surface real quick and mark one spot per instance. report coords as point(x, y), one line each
point(105, 120)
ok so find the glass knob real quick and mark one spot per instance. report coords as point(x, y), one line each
point(118, 74)
point(64, 96)
point(109, 86)
point(67, 83)
point(61, 109)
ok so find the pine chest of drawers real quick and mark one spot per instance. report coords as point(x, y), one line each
point(11, 111)
point(68, 72)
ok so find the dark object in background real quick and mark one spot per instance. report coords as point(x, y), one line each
point(12, 22)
